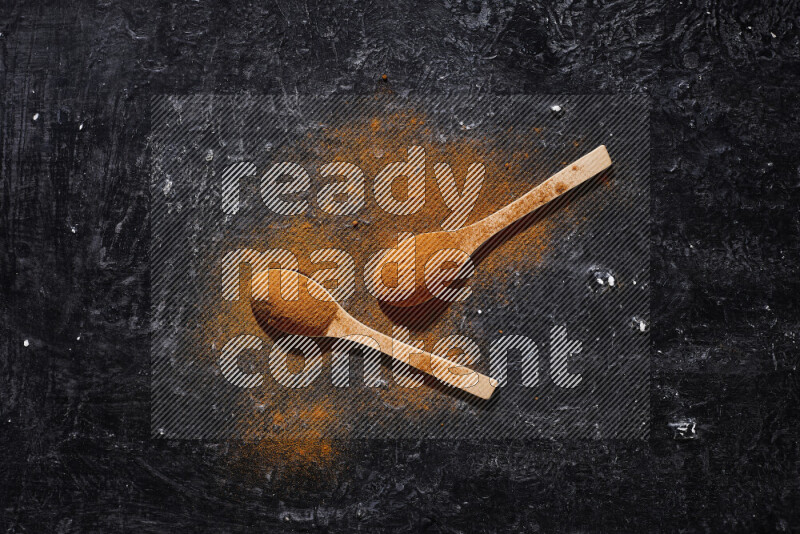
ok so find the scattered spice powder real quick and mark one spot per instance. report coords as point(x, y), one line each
point(358, 141)
point(308, 458)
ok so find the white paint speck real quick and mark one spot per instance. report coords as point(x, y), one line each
point(209, 155)
point(600, 281)
point(479, 312)
point(684, 429)
point(556, 108)
point(74, 229)
point(634, 282)
point(611, 280)
point(639, 324)
point(26, 343)
point(80, 127)
point(78, 338)
point(36, 116)
point(773, 35)
point(167, 186)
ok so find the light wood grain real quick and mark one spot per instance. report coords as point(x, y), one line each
point(566, 179)
point(472, 237)
point(312, 317)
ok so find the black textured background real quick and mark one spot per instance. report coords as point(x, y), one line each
point(723, 78)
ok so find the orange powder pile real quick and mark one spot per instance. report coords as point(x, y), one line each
point(371, 143)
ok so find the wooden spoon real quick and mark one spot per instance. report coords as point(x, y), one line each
point(314, 313)
point(470, 238)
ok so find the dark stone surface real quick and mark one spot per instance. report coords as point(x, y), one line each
point(723, 78)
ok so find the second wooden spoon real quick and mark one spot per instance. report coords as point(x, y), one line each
point(470, 238)
point(312, 312)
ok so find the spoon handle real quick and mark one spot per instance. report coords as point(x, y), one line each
point(567, 178)
point(447, 371)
